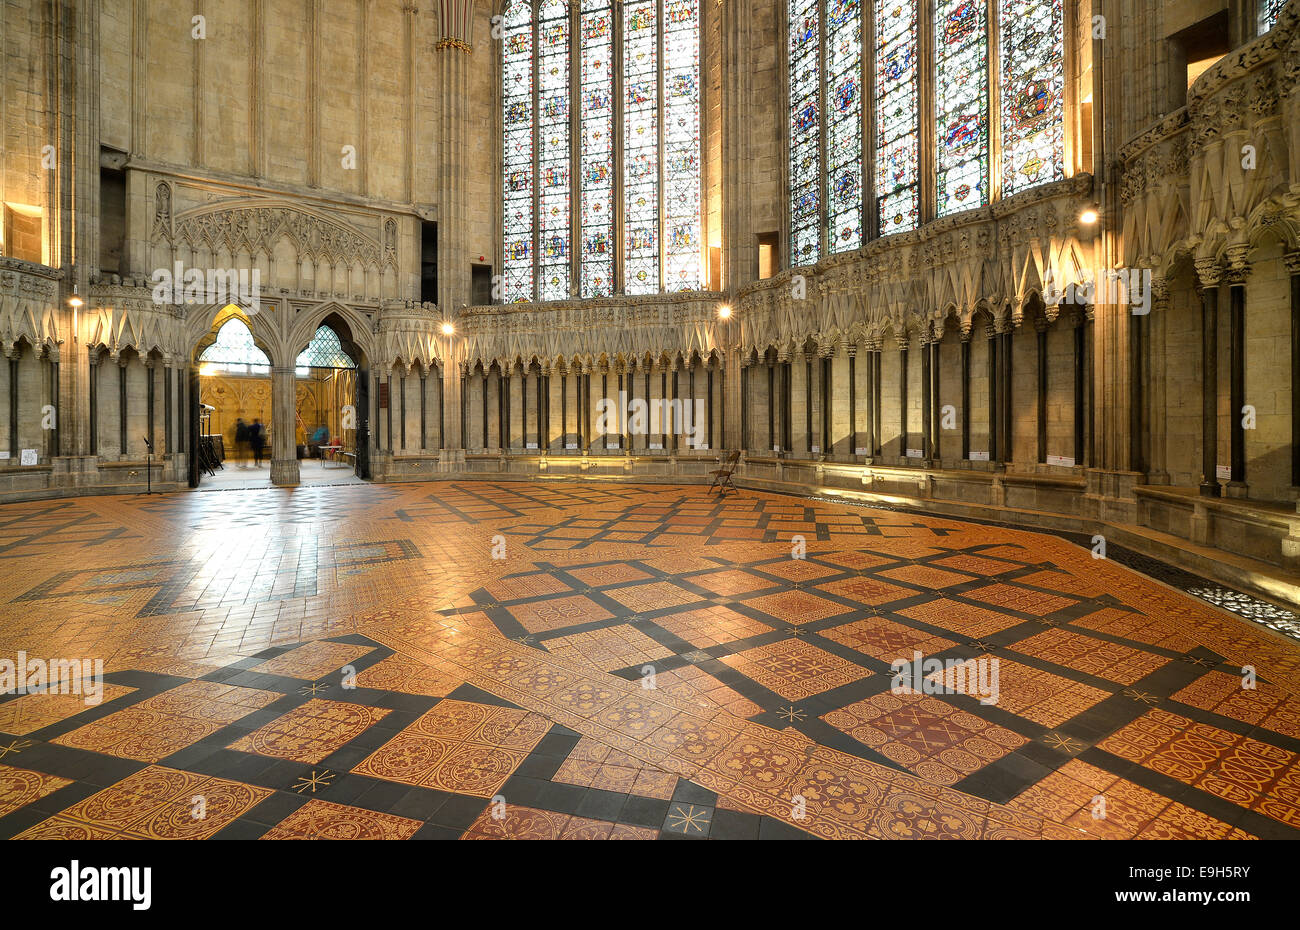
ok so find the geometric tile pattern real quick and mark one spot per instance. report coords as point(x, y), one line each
point(458, 746)
point(644, 661)
point(930, 737)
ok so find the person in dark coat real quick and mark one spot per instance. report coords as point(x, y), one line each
point(241, 442)
point(257, 439)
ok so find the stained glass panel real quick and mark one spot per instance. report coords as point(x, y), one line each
point(640, 147)
point(234, 349)
point(1269, 11)
point(805, 132)
point(597, 127)
point(553, 150)
point(681, 200)
point(517, 151)
point(843, 107)
point(961, 111)
point(1033, 93)
point(897, 116)
point(324, 351)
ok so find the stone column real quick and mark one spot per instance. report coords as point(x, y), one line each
point(927, 401)
point(123, 406)
point(1080, 387)
point(93, 381)
point(424, 408)
point(1040, 418)
point(1237, 486)
point(995, 393)
point(1208, 273)
point(284, 451)
point(965, 391)
point(903, 341)
point(456, 105)
point(12, 352)
point(1157, 430)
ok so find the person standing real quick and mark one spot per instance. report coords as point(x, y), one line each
point(257, 439)
point(241, 442)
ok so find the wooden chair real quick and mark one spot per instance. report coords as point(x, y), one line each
point(722, 476)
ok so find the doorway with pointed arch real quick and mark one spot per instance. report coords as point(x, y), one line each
point(244, 432)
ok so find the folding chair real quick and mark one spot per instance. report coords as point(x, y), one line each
point(722, 476)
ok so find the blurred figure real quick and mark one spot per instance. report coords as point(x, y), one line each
point(241, 442)
point(257, 439)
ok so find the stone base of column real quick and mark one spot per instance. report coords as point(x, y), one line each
point(284, 472)
point(1210, 489)
point(1238, 489)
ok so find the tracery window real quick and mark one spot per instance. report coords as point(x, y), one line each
point(961, 88)
point(805, 132)
point(969, 158)
point(898, 116)
point(1033, 93)
point(324, 351)
point(234, 350)
point(553, 252)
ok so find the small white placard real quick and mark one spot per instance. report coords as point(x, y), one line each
point(1065, 460)
point(570, 445)
point(613, 443)
point(915, 454)
point(776, 448)
point(1221, 472)
point(530, 445)
point(4, 454)
point(816, 448)
point(861, 451)
point(655, 445)
point(979, 456)
point(29, 457)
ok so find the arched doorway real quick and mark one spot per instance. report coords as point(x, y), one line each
point(231, 393)
point(330, 403)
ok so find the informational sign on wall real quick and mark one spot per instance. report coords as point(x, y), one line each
point(915, 454)
point(1223, 472)
point(1065, 460)
point(29, 457)
point(979, 456)
point(4, 454)
point(861, 451)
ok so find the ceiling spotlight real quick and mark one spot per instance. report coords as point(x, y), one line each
point(1088, 216)
point(724, 312)
point(448, 329)
point(74, 301)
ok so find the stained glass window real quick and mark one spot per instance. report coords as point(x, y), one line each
point(546, 240)
point(1033, 92)
point(553, 150)
point(681, 183)
point(640, 147)
point(843, 107)
point(597, 181)
point(324, 351)
point(805, 132)
point(517, 150)
point(961, 82)
point(1269, 11)
point(897, 116)
point(234, 350)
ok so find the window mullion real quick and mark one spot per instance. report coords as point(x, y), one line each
point(537, 140)
point(619, 90)
point(659, 127)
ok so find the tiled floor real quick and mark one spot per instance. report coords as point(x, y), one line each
point(586, 660)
